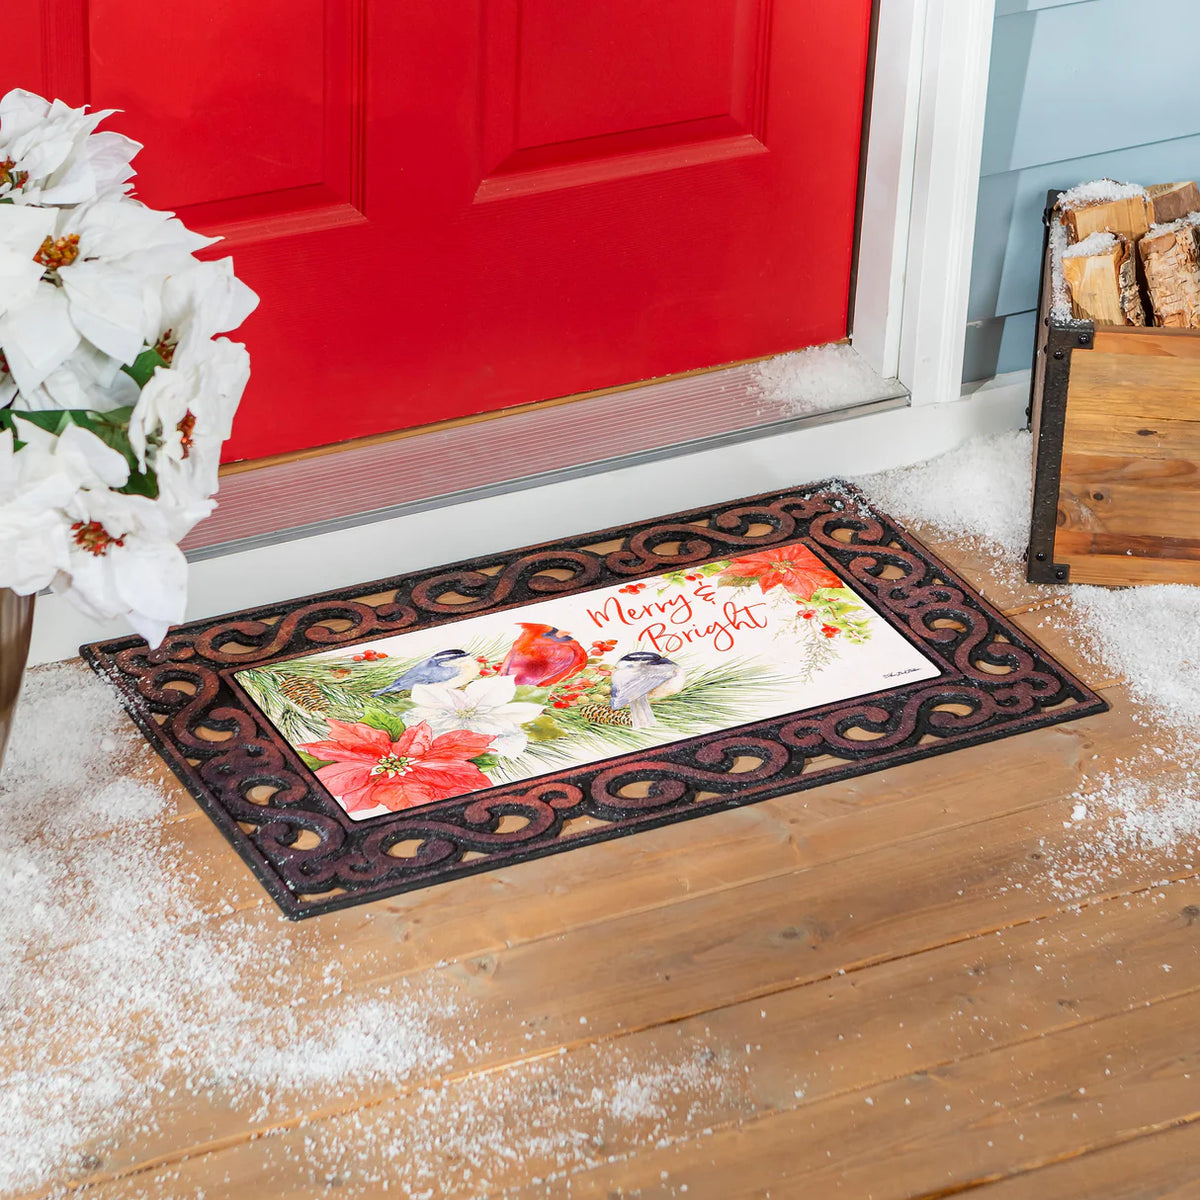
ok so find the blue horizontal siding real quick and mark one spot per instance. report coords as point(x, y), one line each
point(1008, 219)
point(1006, 8)
point(998, 345)
point(1079, 79)
point(1079, 89)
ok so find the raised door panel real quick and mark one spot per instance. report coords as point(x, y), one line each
point(251, 119)
point(452, 208)
point(573, 94)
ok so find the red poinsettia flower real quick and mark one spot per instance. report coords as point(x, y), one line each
point(793, 567)
point(369, 769)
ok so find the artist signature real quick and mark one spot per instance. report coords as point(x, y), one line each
point(906, 671)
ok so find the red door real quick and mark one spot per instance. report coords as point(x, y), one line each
point(453, 206)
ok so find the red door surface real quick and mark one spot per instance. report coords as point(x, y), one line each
point(454, 206)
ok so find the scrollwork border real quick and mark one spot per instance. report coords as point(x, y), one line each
point(184, 695)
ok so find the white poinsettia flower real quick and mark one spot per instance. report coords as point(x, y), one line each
point(140, 578)
point(103, 268)
point(483, 706)
point(116, 256)
point(33, 526)
point(123, 561)
point(203, 300)
point(89, 280)
point(89, 462)
point(54, 157)
point(189, 408)
point(22, 232)
point(87, 379)
point(37, 337)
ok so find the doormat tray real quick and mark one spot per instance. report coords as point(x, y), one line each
point(406, 732)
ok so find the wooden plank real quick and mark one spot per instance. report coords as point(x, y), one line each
point(1152, 387)
point(714, 950)
point(1057, 626)
point(1154, 498)
point(1144, 343)
point(1129, 572)
point(1072, 544)
point(948, 1130)
point(1096, 431)
point(1129, 494)
point(801, 1052)
point(1171, 201)
point(1159, 1166)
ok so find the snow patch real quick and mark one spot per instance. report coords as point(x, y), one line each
point(821, 379)
point(1100, 242)
point(1100, 191)
point(979, 492)
point(230, 1014)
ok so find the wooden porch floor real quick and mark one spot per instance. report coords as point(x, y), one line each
point(883, 988)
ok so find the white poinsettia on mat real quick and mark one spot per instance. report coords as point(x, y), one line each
point(116, 391)
point(484, 706)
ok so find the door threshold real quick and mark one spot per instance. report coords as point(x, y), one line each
point(375, 481)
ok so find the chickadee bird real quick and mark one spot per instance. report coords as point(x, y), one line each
point(442, 667)
point(640, 677)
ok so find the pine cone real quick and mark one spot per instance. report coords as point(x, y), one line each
point(601, 714)
point(304, 693)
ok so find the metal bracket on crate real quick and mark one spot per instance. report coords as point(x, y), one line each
point(1060, 341)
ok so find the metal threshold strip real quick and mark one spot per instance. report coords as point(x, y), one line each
point(279, 501)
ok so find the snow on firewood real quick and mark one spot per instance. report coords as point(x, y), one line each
point(1099, 191)
point(1100, 242)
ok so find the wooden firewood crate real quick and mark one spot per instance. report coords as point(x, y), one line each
point(1115, 415)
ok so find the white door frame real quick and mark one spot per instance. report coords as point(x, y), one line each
point(921, 183)
point(914, 262)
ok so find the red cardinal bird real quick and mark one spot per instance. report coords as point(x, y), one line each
point(542, 656)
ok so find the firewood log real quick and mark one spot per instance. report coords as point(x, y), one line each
point(1102, 280)
point(1170, 201)
point(1171, 263)
point(1127, 215)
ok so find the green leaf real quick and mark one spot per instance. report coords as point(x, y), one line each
point(313, 762)
point(142, 369)
point(714, 568)
point(378, 718)
point(739, 580)
point(532, 695)
point(544, 729)
point(486, 762)
point(53, 420)
point(112, 428)
point(838, 593)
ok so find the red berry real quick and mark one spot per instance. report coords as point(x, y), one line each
point(829, 630)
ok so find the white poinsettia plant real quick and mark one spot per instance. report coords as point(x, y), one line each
point(115, 390)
